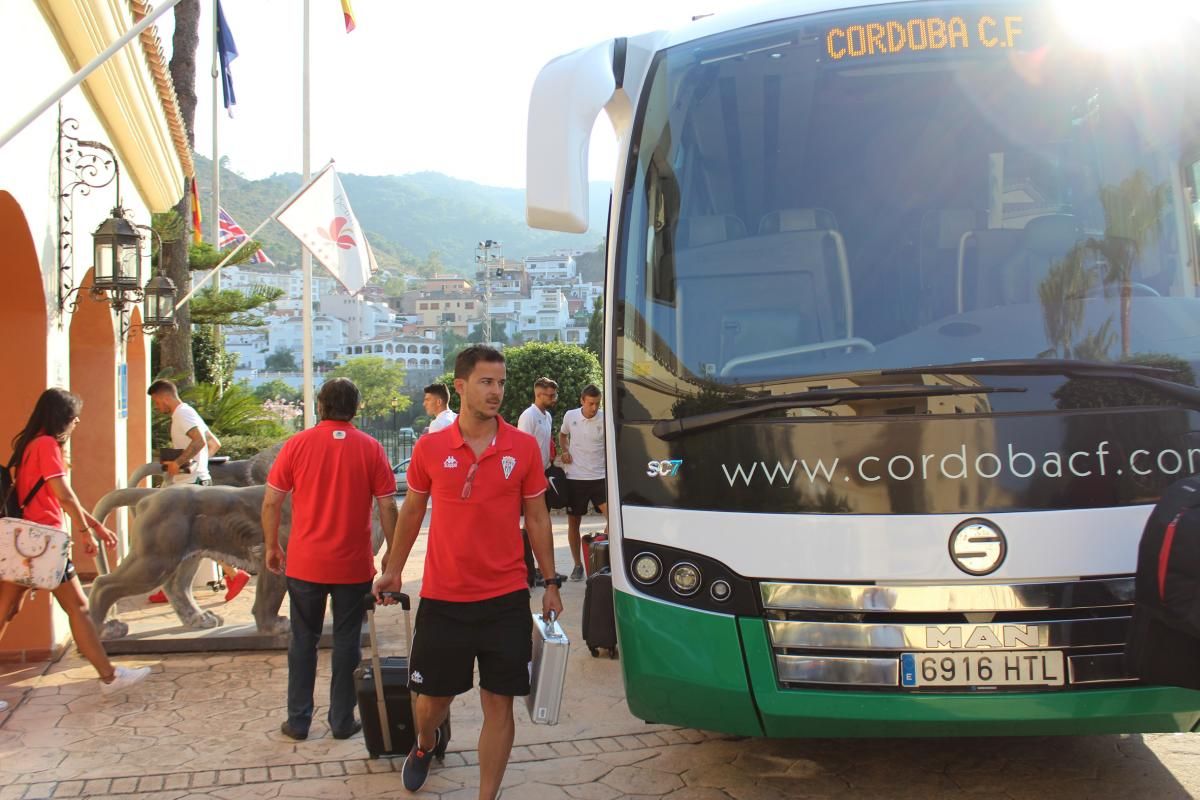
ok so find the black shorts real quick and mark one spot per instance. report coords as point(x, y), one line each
point(451, 637)
point(580, 493)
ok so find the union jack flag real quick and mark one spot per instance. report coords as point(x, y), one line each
point(233, 234)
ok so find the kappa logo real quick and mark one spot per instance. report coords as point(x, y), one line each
point(417, 678)
point(450, 463)
point(507, 463)
point(339, 434)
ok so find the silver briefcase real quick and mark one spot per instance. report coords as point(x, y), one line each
point(547, 670)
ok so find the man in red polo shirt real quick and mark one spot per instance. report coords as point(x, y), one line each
point(333, 472)
point(483, 474)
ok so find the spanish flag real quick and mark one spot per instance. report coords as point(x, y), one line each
point(197, 233)
point(348, 13)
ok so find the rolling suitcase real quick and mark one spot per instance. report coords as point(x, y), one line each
point(385, 706)
point(547, 670)
point(599, 621)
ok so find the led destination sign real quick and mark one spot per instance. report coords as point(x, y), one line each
point(986, 32)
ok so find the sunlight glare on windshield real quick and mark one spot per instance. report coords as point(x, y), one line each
point(1109, 25)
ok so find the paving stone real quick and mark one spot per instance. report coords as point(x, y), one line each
point(177, 781)
point(40, 791)
point(124, 786)
point(97, 787)
point(632, 780)
point(608, 745)
point(542, 751)
point(305, 771)
point(254, 775)
point(150, 783)
point(13, 791)
point(69, 789)
point(357, 767)
point(202, 779)
point(586, 746)
point(565, 749)
point(332, 769)
point(230, 777)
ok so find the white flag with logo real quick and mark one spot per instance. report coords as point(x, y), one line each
point(321, 218)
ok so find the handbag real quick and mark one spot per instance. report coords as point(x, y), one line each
point(33, 555)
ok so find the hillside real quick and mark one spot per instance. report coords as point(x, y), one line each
point(406, 217)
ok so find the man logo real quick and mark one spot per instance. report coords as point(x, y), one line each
point(417, 677)
point(978, 547)
point(507, 464)
point(450, 463)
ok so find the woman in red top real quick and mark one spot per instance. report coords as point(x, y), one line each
point(38, 453)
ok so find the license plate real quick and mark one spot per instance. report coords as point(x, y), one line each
point(994, 668)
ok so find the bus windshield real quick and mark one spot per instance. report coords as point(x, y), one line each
point(847, 193)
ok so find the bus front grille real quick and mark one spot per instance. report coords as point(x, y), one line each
point(853, 635)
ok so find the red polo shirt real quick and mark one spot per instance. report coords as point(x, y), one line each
point(334, 471)
point(475, 551)
point(43, 458)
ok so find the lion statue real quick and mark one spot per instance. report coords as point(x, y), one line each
point(175, 527)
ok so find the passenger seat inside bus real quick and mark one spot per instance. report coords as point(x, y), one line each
point(1005, 266)
point(739, 297)
point(942, 231)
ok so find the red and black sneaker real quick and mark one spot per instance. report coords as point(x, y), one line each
point(418, 762)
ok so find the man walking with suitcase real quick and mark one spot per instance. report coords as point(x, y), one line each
point(333, 471)
point(483, 474)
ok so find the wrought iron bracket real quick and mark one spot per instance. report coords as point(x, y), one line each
point(83, 166)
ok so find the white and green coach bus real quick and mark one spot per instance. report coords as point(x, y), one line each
point(902, 327)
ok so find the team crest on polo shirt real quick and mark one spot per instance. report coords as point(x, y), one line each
point(450, 463)
point(508, 462)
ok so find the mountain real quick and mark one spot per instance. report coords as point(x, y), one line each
point(406, 217)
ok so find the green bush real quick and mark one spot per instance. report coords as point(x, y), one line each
point(572, 366)
point(240, 446)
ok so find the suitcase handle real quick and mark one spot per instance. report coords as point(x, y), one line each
point(401, 597)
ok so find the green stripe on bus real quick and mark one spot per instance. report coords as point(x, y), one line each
point(684, 667)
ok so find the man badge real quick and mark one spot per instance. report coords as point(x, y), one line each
point(508, 462)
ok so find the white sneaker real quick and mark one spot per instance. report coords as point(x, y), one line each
point(123, 678)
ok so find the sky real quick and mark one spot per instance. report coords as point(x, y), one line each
point(418, 86)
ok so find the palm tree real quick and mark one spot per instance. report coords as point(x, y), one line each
point(176, 345)
point(1132, 213)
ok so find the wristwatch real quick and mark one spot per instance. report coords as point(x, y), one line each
point(556, 582)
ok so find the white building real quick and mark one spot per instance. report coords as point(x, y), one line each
point(287, 333)
point(364, 319)
point(550, 268)
point(252, 346)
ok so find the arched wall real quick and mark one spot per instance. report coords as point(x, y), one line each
point(23, 334)
point(95, 466)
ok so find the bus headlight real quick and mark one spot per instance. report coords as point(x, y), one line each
point(685, 578)
point(646, 568)
point(720, 590)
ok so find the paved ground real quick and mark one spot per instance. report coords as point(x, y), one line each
point(206, 726)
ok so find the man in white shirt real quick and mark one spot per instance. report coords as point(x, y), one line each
point(191, 436)
point(581, 447)
point(437, 406)
point(538, 422)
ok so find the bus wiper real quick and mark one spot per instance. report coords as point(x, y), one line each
point(1157, 378)
point(669, 429)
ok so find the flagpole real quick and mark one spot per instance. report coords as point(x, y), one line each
point(305, 256)
point(196, 286)
point(216, 163)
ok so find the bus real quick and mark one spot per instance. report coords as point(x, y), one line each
point(902, 330)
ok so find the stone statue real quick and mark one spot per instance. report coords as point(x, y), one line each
point(175, 527)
